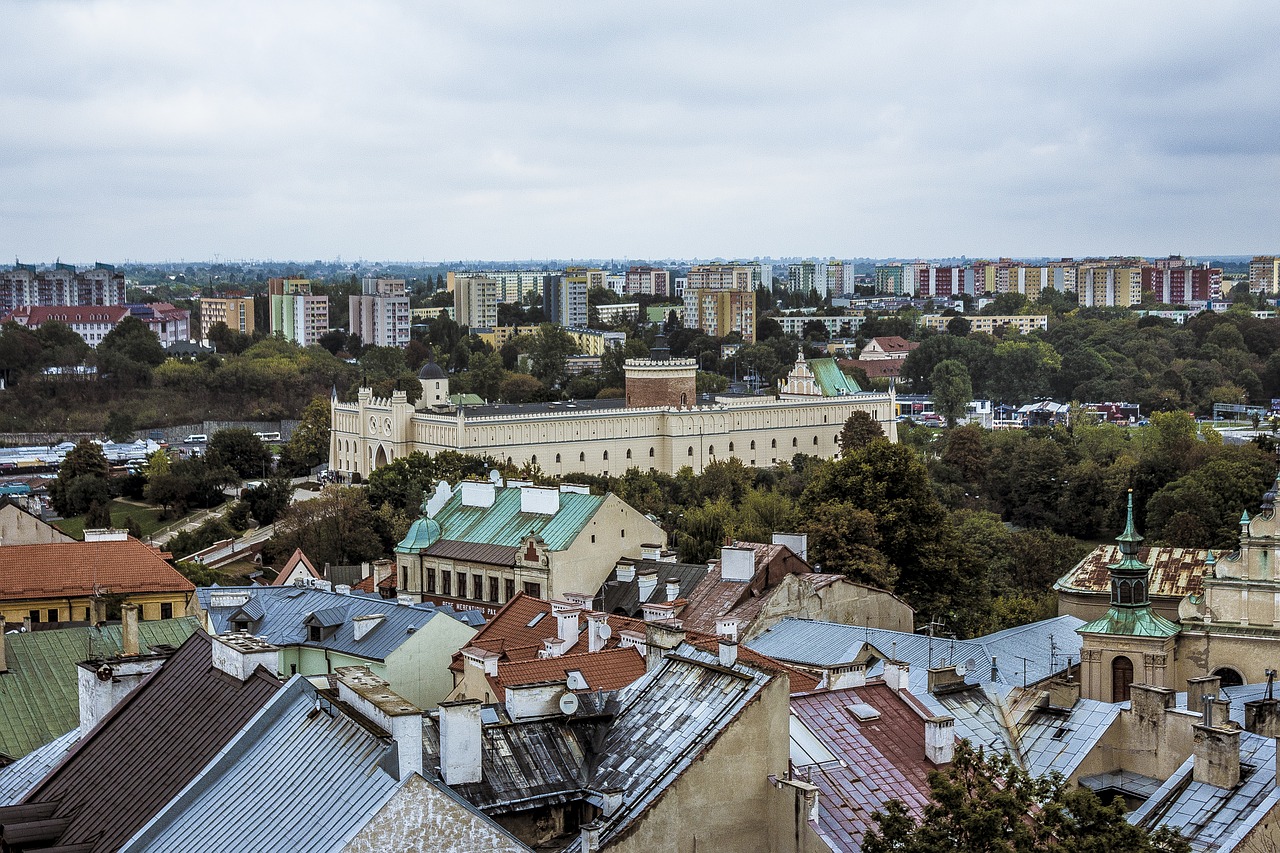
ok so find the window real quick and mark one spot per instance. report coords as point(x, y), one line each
point(533, 460)
point(557, 458)
point(240, 625)
point(774, 444)
point(431, 580)
point(534, 589)
point(628, 452)
point(753, 445)
point(462, 585)
point(691, 450)
point(582, 457)
point(53, 614)
point(795, 442)
point(88, 614)
point(493, 590)
point(446, 580)
point(650, 452)
point(624, 534)
point(711, 450)
point(34, 616)
point(606, 456)
point(477, 587)
point(1121, 678)
point(511, 589)
point(815, 441)
point(293, 669)
point(314, 633)
point(731, 447)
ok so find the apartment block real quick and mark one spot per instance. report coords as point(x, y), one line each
point(650, 281)
point(889, 279)
point(1182, 285)
point(1109, 286)
point(512, 286)
point(721, 277)
point(26, 285)
point(718, 312)
point(1264, 274)
point(235, 311)
point(564, 297)
point(1021, 323)
point(380, 314)
point(297, 313)
point(475, 300)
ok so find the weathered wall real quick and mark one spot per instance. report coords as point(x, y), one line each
point(843, 603)
point(419, 669)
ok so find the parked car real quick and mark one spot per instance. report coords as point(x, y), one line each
point(196, 438)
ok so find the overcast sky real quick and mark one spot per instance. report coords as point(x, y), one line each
point(421, 130)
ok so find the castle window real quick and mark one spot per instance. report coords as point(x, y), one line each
point(606, 456)
point(691, 450)
point(582, 457)
point(628, 452)
point(557, 458)
point(795, 442)
point(774, 444)
point(1121, 678)
point(731, 447)
point(753, 445)
point(712, 450)
point(815, 441)
point(533, 460)
point(650, 452)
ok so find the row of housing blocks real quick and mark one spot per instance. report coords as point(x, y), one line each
point(380, 313)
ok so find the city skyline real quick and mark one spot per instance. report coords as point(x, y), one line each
point(163, 132)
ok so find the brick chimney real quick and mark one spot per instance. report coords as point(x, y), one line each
point(1148, 705)
point(1262, 717)
point(847, 675)
point(897, 675)
point(1198, 688)
point(1216, 755)
point(942, 677)
point(590, 835)
point(374, 700)
point(940, 739)
point(1064, 693)
point(129, 638)
point(461, 739)
point(101, 684)
point(240, 654)
point(660, 638)
point(728, 652)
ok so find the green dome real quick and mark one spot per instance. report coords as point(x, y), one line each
point(422, 534)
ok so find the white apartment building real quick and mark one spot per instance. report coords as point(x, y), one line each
point(380, 314)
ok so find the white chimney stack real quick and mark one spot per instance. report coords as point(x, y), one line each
point(897, 675)
point(673, 589)
point(727, 628)
point(728, 652)
point(374, 699)
point(597, 631)
point(364, 624)
point(648, 582)
point(478, 493)
point(625, 572)
point(940, 739)
point(737, 564)
point(797, 542)
point(649, 551)
point(540, 501)
point(461, 737)
point(239, 655)
point(566, 614)
point(590, 835)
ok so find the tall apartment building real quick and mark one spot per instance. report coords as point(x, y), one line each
point(296, 313)
point(718, 312)
point(721, 277)
point(650, 281)
point(1112, 286)
point(935, 281)
point(564, 298)
point(1264, 274)
point(1183, 284)
point(380, 314)
point(889, 279)
point(475, 300)
point(235, 311)
point(27, 286)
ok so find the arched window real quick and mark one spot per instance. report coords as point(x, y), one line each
point(606, 456)
point(731, 447)
point(533, 460)
point(557, 458)
point(684, 401)
point(795, 442)
point(650, 452)
point(753, 445)
point(690, 450)
point(815, 441)
point(1229, 677)
point(1126, 592)
point(711, 451)
point(582, 457)
point(1121, 678)
point(628, 452)
point(774, 444)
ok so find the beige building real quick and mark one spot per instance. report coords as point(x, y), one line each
point(475, 300)
point(661, 425)
point(235, 311)
point(1264, 274)
point(1022, 324)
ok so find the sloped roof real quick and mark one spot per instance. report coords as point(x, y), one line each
point(22, 775)
point(504, 523)
point(831, 379)
point(608, 669)
point(624, 596)
point(61, 569)
point(36, 315)
point(1175, 572)
point(1131, 622)
point(39, 695)
point(287, 611)
point(151, 745)
point(296, 559)
point(1213, 818)
point(263, 788)
point(875, 368)
point(881, 759)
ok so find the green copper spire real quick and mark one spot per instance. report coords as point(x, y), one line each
point(1129, 540)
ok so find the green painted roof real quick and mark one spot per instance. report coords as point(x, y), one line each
point(466, 399)
point(831, 379)
point(422, 534)
point(504, 523)
point(1130, 622)
point(39, 695)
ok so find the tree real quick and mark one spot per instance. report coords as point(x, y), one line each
point(239, 450)
point(952, 390)
point(548, 349)
point(337, 527)
point(120, 426)
point(988, 803)
point(130, 351)
point(308, 445)
point(402, 482)
point(958, 326)
point(268, 500)
point(859, 430)
point(81, 480)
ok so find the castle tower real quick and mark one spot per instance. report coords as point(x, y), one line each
point(435, 385)
point(661, 380)
point(1130, 643)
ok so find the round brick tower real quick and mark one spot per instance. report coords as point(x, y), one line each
point(661, 380)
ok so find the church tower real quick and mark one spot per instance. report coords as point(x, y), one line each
point(1130, 642)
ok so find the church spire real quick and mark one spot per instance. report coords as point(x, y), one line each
point(1130, 576)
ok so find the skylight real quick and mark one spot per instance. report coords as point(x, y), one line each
point(535, 620)
point(863, 711)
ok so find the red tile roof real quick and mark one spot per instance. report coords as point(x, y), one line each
point(895, 343)
point(62, 569)
point(714, 598)
point(1175, 572)
point(884, 759)
point(294, 560)
point(40, 314)
point(881, 368)
point(610, 669)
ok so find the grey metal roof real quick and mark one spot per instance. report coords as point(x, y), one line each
point(1032, 652)
point(286, 611)
point(22, 775)
point(623, 597)
point(1212, 818)
point(293, 779)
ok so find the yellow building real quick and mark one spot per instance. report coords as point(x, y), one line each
point(66, 581)
point(235, 311)
point(1020, 323)
point(1264, 274)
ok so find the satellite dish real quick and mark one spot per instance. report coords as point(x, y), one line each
point(568, 704)
point(605, 632)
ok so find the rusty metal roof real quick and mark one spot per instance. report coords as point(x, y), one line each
point(1175, 572)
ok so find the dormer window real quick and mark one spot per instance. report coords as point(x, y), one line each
point(315, 633)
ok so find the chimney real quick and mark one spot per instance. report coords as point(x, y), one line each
point(728, 652)
point(583, 600)
point(99, 607)
point(650, 551)
point(797, 542)
point(1216, 755)
point(566, 615)
point(483, 659)
point(26, 624)
point(897, 675)
point(4, 661)
point(737, 564)
point(1262, 717)
point(342, 589)
point(727, 628)
point(129, 641)
point(940, 739)
point(847, 675)
point(102, 684)
point(673, 589)
point(240, 654)
point(648, 582)
point(574, 489)
point(364, 624)
point(660, 638)
point(943, 677)
point(1198, 688)
point(461, 736)
point(590, 835)
point(382, 569)
point(1148, 705)
point(478, 493)
point(1064, 693)
point(625, 572)
point(539, 501)
point(374, 699)
point(598, 631)
point(536, 699)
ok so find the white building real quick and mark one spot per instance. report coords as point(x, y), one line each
point(380, 314)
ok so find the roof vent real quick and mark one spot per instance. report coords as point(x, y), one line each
point(863, 712)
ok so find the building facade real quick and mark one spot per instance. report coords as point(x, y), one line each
point(235, 311)
point(718, 312)
point(29, 286)
point(296, 312)
point(380, 314)
point(662, 425)
point(475, 301)
point(650, 281)
point(564, 297)
point(1264, 274)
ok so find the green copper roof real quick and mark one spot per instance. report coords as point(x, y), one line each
point(504, 523)
point(422, 534)
point(39, 695)
point(1130, 622)
point(831, 379)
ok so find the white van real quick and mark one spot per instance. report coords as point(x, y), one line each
point(267, 436)
point(197, 438)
